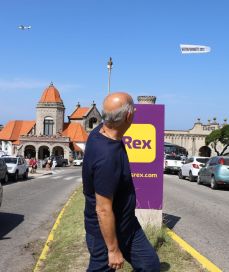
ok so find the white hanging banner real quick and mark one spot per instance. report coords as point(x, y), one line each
point(194, 49)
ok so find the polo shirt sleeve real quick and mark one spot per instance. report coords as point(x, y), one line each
point(106, 175)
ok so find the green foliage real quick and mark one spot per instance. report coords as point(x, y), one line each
point(225, 135)
point(219, 136)
point(213, 137)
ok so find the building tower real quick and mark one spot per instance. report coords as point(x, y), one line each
point(50, 113)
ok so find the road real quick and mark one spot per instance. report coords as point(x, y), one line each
point(196, 213)
point(28, 212)
point(200, 216)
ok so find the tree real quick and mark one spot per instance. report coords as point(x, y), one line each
point(219, 137)
point(224, 138)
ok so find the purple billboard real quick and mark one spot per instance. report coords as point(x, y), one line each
point(144, 142)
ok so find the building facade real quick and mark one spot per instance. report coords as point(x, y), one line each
point(194, 139)
point(88, 117)
point(48, 134)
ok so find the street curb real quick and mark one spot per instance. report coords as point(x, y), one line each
point(195, 254)
point(45, 250)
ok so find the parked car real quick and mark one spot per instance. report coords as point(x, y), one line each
point(172, 163)
point(3, 171)
point(16, 167)
point(60, 161)
point(1, 194)
point(215, 172)
point(2, 153)
point(78, 162)
point(191, 167)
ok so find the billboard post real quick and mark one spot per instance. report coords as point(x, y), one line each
point(144, 142)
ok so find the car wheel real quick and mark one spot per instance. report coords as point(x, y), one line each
point(199, 180)
point(64, 164)
point(191, 178)
point(25, 176)
point(180, 175)
point(214, 185)
point(16, 176)
point(6, 178)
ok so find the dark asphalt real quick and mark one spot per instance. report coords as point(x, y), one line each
point(28, 212)
point(200, 216)
point(196, 213)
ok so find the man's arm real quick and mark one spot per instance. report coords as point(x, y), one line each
point(107, 226)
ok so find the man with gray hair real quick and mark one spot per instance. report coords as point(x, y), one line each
point(113, 232)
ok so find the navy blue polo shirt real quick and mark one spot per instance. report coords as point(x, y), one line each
point(106, 172)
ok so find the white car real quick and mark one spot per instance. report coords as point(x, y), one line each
point(191, 167)
point(172, 163)
point(78, 162)
point(16, 167)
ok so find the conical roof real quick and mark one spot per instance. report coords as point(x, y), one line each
point(51, 95)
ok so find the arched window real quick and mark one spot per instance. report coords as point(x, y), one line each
point(92, 121)
point(48, 126)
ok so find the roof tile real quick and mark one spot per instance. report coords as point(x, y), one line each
point(79, 112)
point(14, 129)
point(51, 95)
point(75, 132)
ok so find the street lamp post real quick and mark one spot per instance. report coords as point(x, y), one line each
point(109, 67)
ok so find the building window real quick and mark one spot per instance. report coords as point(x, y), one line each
point(92, 122)
point(48, 126)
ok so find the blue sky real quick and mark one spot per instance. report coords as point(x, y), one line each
point(71, 41)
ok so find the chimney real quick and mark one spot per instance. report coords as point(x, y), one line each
point(146, 99)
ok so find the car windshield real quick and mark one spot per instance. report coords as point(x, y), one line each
point(202, 160)
point(177, 158)
point(10, 160)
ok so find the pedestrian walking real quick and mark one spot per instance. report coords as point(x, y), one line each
point(30, 165)
point(34, 165)
point(113, 232)
point(48, 164)
point(54, 164)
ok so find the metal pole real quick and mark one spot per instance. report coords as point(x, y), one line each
point(109, 80)
point(109, 67)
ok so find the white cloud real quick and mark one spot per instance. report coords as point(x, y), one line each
point(68, 87)
point(17, 83)
point(28, 84)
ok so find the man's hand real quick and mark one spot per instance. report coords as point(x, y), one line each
point(107, 225)
point(115, 259)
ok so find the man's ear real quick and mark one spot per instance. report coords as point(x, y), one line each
point(128, 116)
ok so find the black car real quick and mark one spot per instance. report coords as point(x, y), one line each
point(3, 171)
point(1, 190)
point(60, 161)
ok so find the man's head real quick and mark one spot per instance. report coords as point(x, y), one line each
point(118, 110)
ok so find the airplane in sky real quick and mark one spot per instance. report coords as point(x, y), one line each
point(23, 27)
